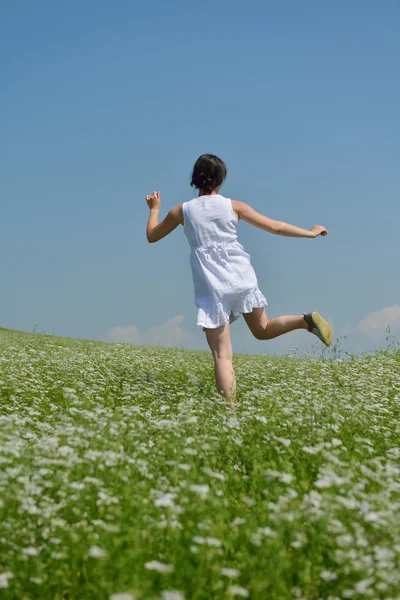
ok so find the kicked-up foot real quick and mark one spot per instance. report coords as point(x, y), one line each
point(319, 327)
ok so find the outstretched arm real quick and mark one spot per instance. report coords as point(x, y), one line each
point(248, 214)
point(155, 230)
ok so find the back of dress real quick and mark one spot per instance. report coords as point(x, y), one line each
point(225, 283)
point(209, 220)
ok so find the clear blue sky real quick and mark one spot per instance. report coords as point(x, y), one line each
point(102, 102)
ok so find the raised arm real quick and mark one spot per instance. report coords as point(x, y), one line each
point(156, 231)
point(251, 216)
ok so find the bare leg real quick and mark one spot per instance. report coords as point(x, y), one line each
point(262, 329)
point(219, 340)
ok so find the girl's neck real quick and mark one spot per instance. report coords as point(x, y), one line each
point(204, 193)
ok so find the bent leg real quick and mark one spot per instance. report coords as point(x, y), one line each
point(262, 329)
point(219, 340)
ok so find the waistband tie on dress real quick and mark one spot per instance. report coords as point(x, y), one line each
point(221, 246)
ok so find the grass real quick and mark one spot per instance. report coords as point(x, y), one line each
point(123, 475)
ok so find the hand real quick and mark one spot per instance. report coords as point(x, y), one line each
point(153, 200)
point(319, 230)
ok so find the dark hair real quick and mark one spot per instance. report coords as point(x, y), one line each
point(209, 172)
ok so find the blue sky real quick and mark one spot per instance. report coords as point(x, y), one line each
point(103, 102)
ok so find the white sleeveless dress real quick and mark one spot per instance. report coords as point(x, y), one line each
point(225, 284)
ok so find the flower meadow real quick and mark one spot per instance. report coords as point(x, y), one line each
point(125, 476)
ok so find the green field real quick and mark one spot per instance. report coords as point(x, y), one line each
point(124, 475)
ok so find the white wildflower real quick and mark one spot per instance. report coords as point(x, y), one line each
point(198, 539)
point(208, 541)
point(202, 490)
point(261, 418)
point(249, 501)
point(97, 552)
point(336, 442)
point(191, 451)
point(155, 565)
point(4, 577)
point(345, 540)
point(193, 419)
point(311, 449)
point(172, 595)
point(272, 473)
point(30, 551)
point(236, 590)
point(167, 500)
point(286, 442)
point(267, 532)
point(213, 542)
point(329, 479)
point(238, 521)
point(328, 575)
point(213, 474)
point(286, 478)
point(362, 586)
point(371, 517)
point(231, 573)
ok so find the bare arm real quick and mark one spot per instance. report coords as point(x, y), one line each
point(155, 230)
point(248, 214)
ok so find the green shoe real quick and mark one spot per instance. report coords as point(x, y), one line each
point(319, 327)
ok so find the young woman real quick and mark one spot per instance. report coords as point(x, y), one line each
point(225, 284)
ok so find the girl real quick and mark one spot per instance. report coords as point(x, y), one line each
point(225, 283)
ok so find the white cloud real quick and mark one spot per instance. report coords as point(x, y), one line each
point(376, 322)
point(169, 333)
point(129, 334)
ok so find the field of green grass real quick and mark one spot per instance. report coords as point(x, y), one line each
point(123, 475)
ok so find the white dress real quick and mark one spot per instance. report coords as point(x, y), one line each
point(225, 284)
